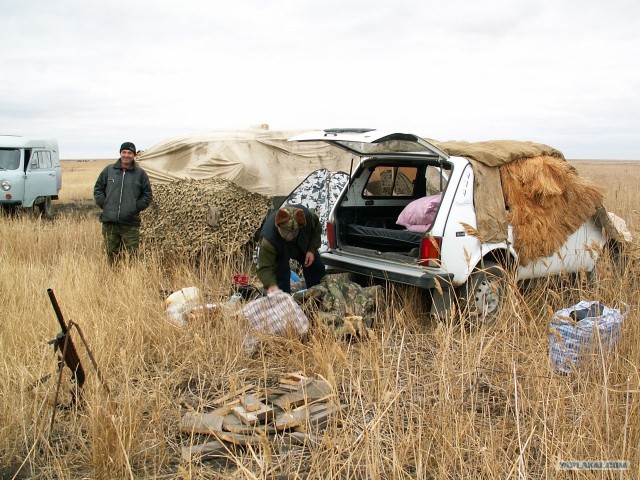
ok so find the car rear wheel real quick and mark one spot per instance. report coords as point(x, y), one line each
point(483, 294)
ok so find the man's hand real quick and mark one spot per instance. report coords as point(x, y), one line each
point(273, 289)
point(308, 259)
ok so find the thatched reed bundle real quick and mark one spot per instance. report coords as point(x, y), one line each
point(547, 202)
point(190, 217)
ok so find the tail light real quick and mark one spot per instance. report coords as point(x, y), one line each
point(430, 248)
point(331, 235)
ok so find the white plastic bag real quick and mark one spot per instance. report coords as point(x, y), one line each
point(187, 294)
point(179, 304)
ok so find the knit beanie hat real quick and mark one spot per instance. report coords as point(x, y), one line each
point(288, 221)
point(128, 146)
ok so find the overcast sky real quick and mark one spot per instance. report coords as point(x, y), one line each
point(96, 73)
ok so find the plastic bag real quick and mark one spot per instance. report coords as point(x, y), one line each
point(273, 314)
point(580, 329)
point(187, 294)
point(179, 304)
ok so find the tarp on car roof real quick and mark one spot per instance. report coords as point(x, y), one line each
point(495, 153)
point(257, 159)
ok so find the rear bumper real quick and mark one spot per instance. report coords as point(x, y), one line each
point(406, 274)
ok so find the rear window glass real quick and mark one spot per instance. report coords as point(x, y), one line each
point(9, 159)
point(392, 181)
point(386, 181)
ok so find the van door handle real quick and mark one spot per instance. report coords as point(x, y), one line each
point(52, 174)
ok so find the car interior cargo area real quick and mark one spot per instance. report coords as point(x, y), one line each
point(375, 228)
point(390, 207)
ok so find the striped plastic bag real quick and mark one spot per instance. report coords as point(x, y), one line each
point(585, 327)
point(275, 314)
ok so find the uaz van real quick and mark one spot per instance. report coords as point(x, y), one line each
point(30, 173)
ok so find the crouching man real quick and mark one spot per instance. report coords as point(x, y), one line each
point(291, 232)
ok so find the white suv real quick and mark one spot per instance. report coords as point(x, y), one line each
point(405, 217)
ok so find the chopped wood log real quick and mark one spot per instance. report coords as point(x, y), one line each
point(290, 419)
point(245, 417)
point(290, 400)
point(286, 381)
point(203, 451)
point(250, 402)
point(318, 415)
point(205, 423)
point(288, 388)
point(249, 415)
point(300, 438)
point(233, 424)
point(237, 438)
point(296, 376)
point(317, 389)
point(294, 381)
point(263, 414)
point(275, 395)
point(321, 416)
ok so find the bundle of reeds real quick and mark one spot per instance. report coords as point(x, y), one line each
point(547, 202)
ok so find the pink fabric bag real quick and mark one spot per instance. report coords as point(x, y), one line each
point(420, 214)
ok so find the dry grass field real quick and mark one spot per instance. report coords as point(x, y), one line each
point(427, 399)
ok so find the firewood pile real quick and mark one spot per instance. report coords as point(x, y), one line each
point(292, 413)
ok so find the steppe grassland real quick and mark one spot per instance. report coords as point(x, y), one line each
point(427, 399)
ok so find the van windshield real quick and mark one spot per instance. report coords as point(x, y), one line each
point(9, 159)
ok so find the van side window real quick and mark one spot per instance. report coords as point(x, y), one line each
point(35, 157)
point(41, 160)
point(45, 160)
point(9, 159)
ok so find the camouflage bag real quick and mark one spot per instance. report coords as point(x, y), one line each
point(343, 306)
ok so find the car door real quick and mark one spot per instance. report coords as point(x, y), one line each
point(41, 178)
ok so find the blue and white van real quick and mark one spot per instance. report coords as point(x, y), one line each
point(30, 173)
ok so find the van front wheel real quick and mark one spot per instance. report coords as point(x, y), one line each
point(44, 207)
point(482, 297)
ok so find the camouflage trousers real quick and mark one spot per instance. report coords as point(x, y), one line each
point(342, 306)
point(120, 239)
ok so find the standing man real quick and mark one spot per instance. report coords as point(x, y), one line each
point(122, 191)
point(290, 232)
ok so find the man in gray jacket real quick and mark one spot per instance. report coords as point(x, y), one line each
point(122, 191)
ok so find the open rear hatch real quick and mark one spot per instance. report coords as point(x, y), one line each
point(366, 142)
point(396, 170)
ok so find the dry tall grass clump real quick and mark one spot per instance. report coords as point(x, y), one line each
point(427, 399)
point(547, 202)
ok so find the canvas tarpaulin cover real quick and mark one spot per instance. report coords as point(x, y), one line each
point(259, 160)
